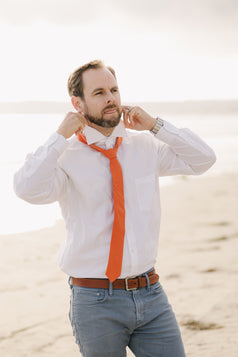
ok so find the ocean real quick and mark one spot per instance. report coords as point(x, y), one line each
point(23, 133)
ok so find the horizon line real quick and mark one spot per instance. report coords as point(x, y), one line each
point(135, 101)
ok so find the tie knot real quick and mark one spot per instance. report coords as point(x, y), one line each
point(110, 153)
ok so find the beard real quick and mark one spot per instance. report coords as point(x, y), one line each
point(101, 121)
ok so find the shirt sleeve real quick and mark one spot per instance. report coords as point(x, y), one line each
point(182, 152)
point(41, 180)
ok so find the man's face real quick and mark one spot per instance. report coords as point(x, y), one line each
point(102, 103)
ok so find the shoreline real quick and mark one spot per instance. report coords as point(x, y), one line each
point(197, 264)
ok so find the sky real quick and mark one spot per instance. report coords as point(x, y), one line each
point(162, 50)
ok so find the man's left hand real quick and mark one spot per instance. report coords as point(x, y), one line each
point(137, 119)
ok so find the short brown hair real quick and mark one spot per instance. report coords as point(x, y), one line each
point(75, 82)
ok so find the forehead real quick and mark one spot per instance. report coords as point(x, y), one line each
point(98, 78)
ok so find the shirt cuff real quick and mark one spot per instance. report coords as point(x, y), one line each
point(165, 132)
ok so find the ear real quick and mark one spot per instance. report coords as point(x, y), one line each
point(77, 104)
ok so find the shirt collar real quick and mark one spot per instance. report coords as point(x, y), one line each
point(93, 136)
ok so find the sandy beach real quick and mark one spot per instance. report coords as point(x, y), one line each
point(197, 264)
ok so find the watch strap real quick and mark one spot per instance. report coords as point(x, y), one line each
point(158, 125)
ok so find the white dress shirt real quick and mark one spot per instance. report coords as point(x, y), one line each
point(79, 178)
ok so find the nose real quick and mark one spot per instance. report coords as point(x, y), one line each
point(110, 97)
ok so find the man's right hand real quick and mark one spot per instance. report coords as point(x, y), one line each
point(73, 123)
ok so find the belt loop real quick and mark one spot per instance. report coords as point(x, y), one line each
point(110, 290)
point(148, 281)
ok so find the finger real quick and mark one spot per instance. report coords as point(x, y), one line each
point(124, 107)
point(83, 118)
point(78, 132)
point(131, 115)
point(80, 128)
point(126, 118)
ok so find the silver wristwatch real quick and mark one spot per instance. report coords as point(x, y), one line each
point(159, 123)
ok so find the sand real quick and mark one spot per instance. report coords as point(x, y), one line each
point(197, 263)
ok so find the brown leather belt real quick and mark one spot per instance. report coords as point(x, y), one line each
point(128, 284)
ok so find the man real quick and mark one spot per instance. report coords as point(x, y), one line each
point(108, 190)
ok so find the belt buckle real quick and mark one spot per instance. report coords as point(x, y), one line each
point(126, 283)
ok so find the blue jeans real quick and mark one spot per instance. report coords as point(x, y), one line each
point(105, 322)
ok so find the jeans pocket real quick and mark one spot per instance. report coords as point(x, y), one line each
point(85, 304)
point(156, 288)
point(88, 296)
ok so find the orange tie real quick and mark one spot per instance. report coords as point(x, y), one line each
point(118, 230)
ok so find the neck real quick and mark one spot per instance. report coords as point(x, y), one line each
point(101, 129)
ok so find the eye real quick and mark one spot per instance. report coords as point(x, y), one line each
point(114, 90)
point(98, 93)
